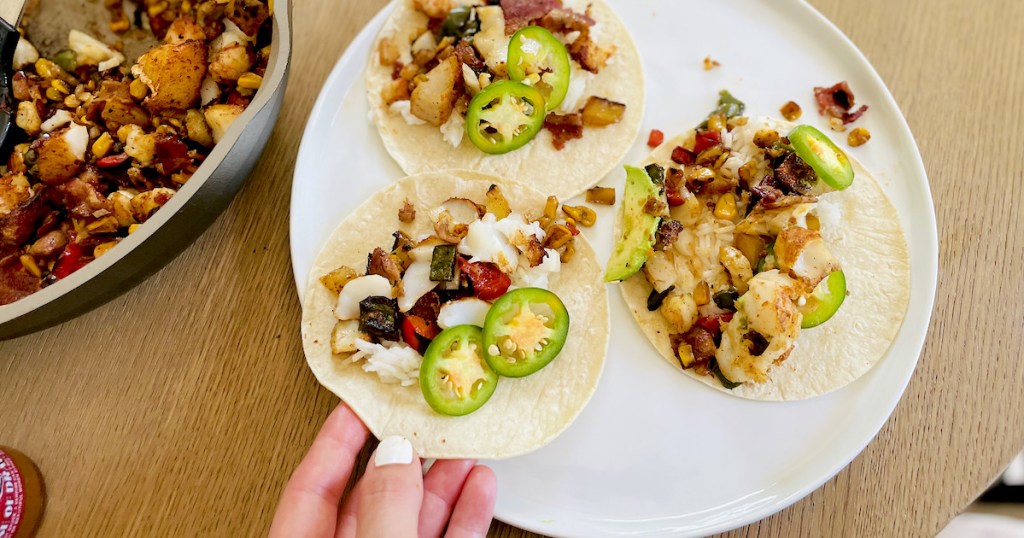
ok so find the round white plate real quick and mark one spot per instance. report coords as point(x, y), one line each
point(656, 452)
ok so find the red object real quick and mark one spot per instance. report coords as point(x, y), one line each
point(111, 161)
point(675, 198)
point(682, 155)
point(171, 153)
point(409, 335)
point(656, 138)
point(713, 324)
point(21, 495)
point(418, 332)
point(70, 260)
point(836, 101)
point(488, 281)
point(705, 140)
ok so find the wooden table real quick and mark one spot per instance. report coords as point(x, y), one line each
point(180, 408)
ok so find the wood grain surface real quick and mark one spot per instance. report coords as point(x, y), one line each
point(181, 408)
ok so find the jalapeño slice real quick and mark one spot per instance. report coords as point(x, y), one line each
point(536, 51)
point(454, 377)
point(828, 161)
point(824, 301)
point(504, 116)
point(524, 331)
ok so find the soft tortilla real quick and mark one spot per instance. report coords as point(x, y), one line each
point(873, 253)
point(565, 173)
point(523, 414)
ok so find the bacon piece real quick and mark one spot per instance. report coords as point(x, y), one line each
point(18, 226)
point(248, 15)
point(702, 345)
point(82, 199)
point(667, 234)
point(566, 20)
point(467, 55)
point(589, 54)
point(564, 128)
point(15, 281)
point(49, 244)
point(171, 154)
point(488, 281)
point(794, 174)
point(682, 155)
point(767, 191)
point(837, 101)
point(520, 13)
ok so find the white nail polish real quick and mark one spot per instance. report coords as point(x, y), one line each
point(393, 450)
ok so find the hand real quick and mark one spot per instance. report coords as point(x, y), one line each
point(393, 497)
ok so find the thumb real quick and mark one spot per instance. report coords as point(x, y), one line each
point(391, 491)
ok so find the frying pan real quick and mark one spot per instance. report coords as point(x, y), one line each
point(188, 213)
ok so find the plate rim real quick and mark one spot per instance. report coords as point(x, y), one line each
point(929, 265)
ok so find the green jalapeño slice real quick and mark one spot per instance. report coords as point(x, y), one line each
point(537, 56)
point(524, 331)
point(454, 376)
point(824, 301)
point(504, 116)
point(828, 161)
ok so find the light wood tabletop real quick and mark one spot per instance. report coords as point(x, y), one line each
point(180, 408)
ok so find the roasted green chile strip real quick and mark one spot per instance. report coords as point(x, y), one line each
point(442, 263)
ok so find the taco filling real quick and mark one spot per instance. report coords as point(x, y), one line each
point(731, 228)
point(499, 73)
point(455, 309)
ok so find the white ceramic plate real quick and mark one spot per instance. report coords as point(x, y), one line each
point(655, 452)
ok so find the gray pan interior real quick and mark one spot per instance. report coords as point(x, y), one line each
point(178, 223)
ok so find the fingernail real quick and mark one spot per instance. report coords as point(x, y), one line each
point(393, 450)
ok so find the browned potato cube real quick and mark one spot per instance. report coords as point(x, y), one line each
point(600, 112)
point(230, 63)
point(184, 28)
point(119, 108)
point(56, 159)
point(174, 73)
point(220, 118)
point(336, 279)
point(434, 99)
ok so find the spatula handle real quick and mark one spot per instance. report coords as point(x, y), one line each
point(10, 11)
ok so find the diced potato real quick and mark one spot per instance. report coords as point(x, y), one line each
point(28, 118)
point(336, 279)
point(144, 204)
point(435, 9)
point(56, 160)
point(14, 190)
point(496, 202)
point(119, 108)
point(344, 336)
point(600, 112)
point(184, 28)
point(123, 211)
point(137, 144)
point(434, 99)
point(388, 52)
point(396, 90)
point(220, 118)
point(230, 63)
point(174, 73)
point(197, 129)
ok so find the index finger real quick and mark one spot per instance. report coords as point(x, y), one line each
point(309, 503)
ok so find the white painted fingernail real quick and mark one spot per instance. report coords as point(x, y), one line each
point(393, 450)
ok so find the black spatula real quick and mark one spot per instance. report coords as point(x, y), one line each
point(10, 14)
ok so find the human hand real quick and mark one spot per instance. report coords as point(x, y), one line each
point(393, 497)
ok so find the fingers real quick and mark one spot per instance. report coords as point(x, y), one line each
point(473, 511)
point(391, 491)
point(309, 503)
point(441, 487)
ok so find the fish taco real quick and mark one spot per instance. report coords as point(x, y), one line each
point(760, 259)
point(542, 92)
point(464, 313)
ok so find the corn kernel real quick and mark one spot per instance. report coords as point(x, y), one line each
point(725, 208)
point(105, 225)
point(569, 252)
point(858, 137)
point(120, 25)
point(102, 248)
point(581, 214)
point(54, 94)
point(250, 81)
point(813, 223)
point(716, 122)
point(47, 69)
point(265, 52)
point(180, 178)
point(551, 207)
point(30, 265)
point(60, 86)
point(186, 6)
point(702, 294)
point(138, 89)
point(71, 101)
point(132, 228)
point(558, 237)
point(102, 146)
point(791, 111)
point(836, 124)
point(156, 9)
point(123, 132)
point(270, 6)
point(685, 353)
